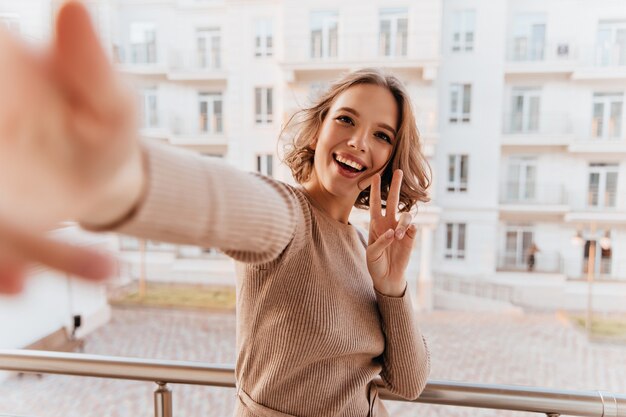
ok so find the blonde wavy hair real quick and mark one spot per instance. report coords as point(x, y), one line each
point(302, 130)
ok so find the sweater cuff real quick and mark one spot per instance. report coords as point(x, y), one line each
point(392, 308)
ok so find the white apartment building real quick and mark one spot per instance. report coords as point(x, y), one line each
point(533, 149)
point(519, 104)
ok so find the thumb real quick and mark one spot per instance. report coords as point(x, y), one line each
point(376, 249)
point(79, 60)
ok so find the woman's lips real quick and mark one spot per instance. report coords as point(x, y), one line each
point(346, 172)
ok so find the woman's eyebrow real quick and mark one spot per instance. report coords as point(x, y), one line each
point(389, 128)
point(356, 113)
point(349, 110)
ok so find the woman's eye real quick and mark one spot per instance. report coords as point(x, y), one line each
point(383, 136)
point(345, 119)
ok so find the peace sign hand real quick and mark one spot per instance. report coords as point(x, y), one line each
point(390, 240)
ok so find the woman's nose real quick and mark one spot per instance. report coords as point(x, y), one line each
point(358, 141)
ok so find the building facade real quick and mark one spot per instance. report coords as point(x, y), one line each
point(519, 105)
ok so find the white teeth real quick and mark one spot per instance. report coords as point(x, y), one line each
point(348, 162)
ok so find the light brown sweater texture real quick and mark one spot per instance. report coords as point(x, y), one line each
point(312, 333)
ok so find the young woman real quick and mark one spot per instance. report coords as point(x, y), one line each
point(321, 311)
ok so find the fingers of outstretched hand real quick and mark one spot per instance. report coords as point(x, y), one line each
point(403, 225)
point(376, 249)
point(80, 62)
point(393, 198)
point(20, 247)
point(12, 273)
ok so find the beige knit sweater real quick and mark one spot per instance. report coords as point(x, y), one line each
point(312, 333)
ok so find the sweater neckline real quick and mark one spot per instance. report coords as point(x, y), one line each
point(325, 215)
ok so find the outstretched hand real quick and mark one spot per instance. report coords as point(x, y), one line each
point(390, 239)
point(68, 148)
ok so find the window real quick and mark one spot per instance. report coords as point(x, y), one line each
point(150, 108)
point(529, 33)
point(525, 110)
point(460, 103)
point(602, 192)
point(518, 241)
point(602, 258)
point(10, 21)
point(208, 42)
point(210, 105)
point(393, 35)
point(265, 164)
point(143, 43)
point(263, 105)
point(457, 173)
point(521, 184)
point(607, 116)
point(463, 27)
point(611, 44)
point(455, 241)
point(324, 34)
point(263, 40)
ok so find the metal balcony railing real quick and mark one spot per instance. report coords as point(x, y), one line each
point(538, 123)
point(502, 397)
point(550, 262)
point(527, 50)
point(532, 193)
point(381, 48)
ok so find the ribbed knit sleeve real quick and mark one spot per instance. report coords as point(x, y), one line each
point(203, 201)
point(406, 361)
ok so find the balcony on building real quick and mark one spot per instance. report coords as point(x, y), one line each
point(606, 135)
point(531, 127)
point(330, 52)
point(523, 198)
point(153, 126)
point(546, 262)
point(139, 59)
point(526, 55)
point(204, 134)
point(196, 65)
point(606, 60)
point(600, 204)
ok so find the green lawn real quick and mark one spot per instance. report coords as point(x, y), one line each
point(178, 296)
point(613, 328)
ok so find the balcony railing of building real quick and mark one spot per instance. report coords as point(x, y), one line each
point(380, 49)
point(597, 200)
point(140, 58)
point(605, 55)
point(185, 64)
point(502, 397)
point(204, 126)
point(545, 261)
point(531, 193)
point(527, 50)
point(537, 122)
point(475, 287)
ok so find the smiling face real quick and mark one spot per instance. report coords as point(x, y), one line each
point(355, 140)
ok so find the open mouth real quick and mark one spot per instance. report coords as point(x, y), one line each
point(348, 165)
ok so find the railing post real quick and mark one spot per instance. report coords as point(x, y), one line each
point(162, 401)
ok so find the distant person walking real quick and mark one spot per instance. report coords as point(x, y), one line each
point(530, 256)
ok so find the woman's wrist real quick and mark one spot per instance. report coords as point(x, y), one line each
point(121, 197)
point(392, 290)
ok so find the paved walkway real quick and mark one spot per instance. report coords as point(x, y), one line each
point(535, 350)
